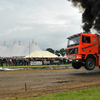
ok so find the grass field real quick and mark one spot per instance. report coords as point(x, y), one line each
point(35, 66)
point(89, 94)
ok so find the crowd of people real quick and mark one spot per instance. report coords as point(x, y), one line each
point(14, 61)
point(25, 62)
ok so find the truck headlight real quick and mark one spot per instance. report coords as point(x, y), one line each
point(79, 57)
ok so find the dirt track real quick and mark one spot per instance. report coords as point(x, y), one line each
point(41, 82)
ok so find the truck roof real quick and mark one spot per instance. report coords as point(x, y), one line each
point(73, 35)
point(79, 34)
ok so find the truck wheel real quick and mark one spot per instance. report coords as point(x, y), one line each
point(90, 64)
point(76, 65)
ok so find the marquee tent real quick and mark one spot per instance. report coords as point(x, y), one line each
point(17, 50)
point(12, 51)
point(2, 48)
point(33, 47)
point(41, 54)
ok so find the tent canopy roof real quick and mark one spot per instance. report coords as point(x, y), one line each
point(41, 54)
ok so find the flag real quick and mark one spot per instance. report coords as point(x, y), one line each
point(27, 49)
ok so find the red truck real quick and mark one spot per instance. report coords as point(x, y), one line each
point(83, 49)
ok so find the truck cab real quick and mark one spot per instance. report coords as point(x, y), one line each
point(83, 50)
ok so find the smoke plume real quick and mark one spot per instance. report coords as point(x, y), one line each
point(90, 13)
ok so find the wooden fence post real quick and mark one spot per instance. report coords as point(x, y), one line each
point(25, 89)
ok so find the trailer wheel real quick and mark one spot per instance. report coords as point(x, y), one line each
point(76, 65)
point(90, 64)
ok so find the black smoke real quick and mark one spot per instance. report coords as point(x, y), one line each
point(90, 13)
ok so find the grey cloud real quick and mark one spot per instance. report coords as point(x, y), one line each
point(47, 22)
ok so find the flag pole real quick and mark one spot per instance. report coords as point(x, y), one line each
point(29, 50)
point(29, 53)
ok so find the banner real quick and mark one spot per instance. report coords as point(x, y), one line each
point(46, 62)
point(35, 62)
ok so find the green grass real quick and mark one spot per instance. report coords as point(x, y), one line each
point(35, 66)
point(89, 94)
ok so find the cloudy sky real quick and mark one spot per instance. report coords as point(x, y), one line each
point(47, 22)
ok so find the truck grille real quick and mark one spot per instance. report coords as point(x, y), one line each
point(72, 51)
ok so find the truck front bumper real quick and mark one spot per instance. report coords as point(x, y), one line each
point(74, 60)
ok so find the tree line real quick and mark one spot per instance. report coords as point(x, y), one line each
point(60, 52)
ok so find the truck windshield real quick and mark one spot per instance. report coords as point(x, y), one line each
point(74, 41)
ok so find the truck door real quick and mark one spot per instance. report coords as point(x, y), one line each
point(94, 44)
point(86, 44)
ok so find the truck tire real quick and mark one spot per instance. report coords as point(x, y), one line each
point(76, 65)
point(90, 64)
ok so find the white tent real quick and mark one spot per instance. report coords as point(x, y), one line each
point(12, 51)
point(22, 52)
point(17, 50)
point(41, 54)
point(2, 48)
point(33, 47)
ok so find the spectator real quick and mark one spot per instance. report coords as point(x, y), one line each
point(27, 61)
point(51, 61)
point(7, 62)
point(10, 61)
point(24, 62)
point(13, 61)
point(2, 62)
